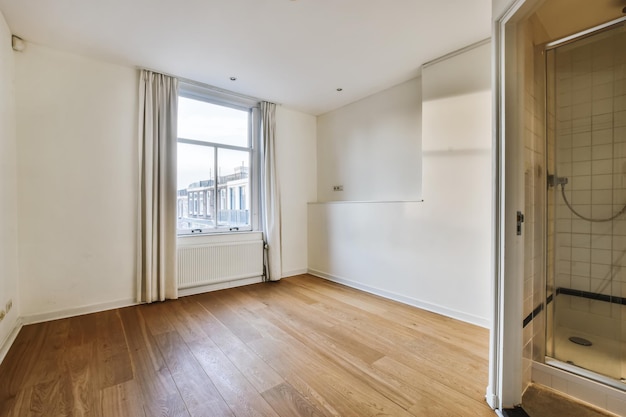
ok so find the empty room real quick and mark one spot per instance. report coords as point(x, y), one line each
point(311, 208)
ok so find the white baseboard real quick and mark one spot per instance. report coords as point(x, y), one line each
point(295, 272)
point(94, 308)
point(6, 344)
point(219, 286)
point(458, 315)
point(77, 311)
point(491, 398)
point(55, 315)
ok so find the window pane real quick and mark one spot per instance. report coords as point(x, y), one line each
point(196, 187)
point(233, 182)
point(199, 120)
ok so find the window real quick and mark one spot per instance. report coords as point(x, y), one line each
point(215, 157)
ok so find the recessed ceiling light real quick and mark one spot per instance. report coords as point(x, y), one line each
point(233, 78)
point(340, 89)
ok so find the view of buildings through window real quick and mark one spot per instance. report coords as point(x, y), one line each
point(213, 167)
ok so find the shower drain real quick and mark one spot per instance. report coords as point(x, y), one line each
point(580, 341)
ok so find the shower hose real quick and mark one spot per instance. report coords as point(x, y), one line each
point(589, 219)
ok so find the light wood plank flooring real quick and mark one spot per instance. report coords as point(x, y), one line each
point(300, 347)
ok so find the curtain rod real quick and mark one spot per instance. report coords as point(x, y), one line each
point(208, 86)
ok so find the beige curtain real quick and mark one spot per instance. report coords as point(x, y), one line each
point(156, 243)
point(270, 193)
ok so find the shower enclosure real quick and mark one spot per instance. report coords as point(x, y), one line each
point(586, 204)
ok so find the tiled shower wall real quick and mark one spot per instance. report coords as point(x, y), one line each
point(590, 113)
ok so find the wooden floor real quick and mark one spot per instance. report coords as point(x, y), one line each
point(299, 347)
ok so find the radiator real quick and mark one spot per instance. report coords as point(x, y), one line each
point(219, 262)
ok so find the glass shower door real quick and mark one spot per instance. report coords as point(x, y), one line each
point(586, 154)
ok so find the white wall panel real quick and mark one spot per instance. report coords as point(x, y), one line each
point(8, 187)
point(296, 165)
point(435, 254)
point(372, 148)
point(77, 164)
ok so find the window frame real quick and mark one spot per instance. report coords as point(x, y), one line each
point(233, 101)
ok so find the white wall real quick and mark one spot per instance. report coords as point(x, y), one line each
point(296, 166)
point(77, 126)
point(434, 254)
point(8, 187)
point(77, 163)
point(498, 7)
point(372, 148)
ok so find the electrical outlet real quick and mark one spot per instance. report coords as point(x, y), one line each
point(2, 315)
point(9, 306)
point(337, 187)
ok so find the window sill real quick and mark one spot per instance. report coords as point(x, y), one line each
point(366, 202)
point(225, 237)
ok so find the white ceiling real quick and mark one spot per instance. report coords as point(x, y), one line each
point(562, 18)
point(292, 52)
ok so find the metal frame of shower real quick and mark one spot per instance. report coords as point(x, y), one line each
point(585, 33)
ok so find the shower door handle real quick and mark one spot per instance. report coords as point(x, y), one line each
point(520, 220)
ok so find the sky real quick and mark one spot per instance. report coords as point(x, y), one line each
point(208, 122)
